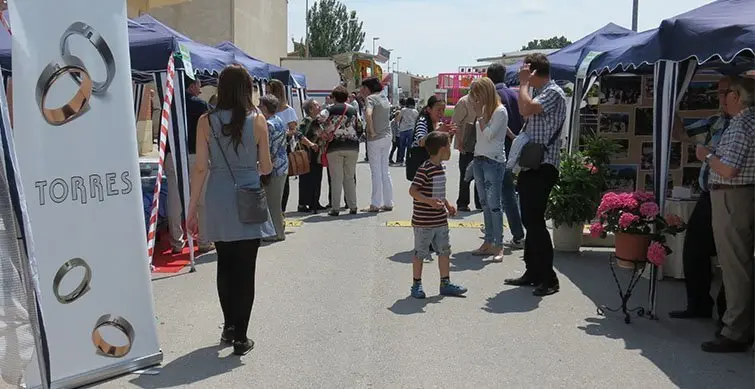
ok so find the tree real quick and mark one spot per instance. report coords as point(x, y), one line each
point(556, 42)
point(332, 30)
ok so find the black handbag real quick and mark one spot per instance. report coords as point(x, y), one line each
point(251, 202)
point(414, 159)
point(531, 156)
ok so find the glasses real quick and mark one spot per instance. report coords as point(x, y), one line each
point(725, 92)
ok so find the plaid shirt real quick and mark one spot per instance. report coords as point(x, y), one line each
point(541, 127)
point(737, 149)
point(717, 125)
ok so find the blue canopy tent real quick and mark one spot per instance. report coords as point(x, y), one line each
point(258, 69)
point(715, 35)
point(566, 61)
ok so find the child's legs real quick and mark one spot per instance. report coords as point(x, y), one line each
point(442, 244)
point(423, 237)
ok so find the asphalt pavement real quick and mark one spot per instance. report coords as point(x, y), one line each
point(332, 310)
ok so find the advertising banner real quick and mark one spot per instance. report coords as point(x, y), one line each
point(77, 155)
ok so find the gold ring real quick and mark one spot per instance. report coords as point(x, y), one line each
point(79, 103)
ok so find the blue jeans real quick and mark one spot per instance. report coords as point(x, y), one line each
point(405, 139)
point(511, 206)
point(488, 177)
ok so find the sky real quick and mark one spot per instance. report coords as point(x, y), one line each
point(435, 36)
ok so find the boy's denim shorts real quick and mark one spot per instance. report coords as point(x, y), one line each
point(438, 237)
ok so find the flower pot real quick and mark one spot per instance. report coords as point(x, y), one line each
point(631, 248)
point(593, 101)
point(567, 238)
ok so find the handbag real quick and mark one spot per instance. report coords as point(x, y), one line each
point(331, 131)
point(414, 159)
point(298, 161)
point(251, 202)
point(531, 156)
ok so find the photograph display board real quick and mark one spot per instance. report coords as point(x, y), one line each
point(625, 114)
point(77, 155)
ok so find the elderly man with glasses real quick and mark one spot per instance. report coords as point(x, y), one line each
point(732, 186)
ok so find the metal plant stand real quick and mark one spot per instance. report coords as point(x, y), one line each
point(638, 269)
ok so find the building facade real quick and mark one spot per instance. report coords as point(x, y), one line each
point(259, 27)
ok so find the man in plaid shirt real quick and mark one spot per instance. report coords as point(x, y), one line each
point(732, 186)
point(544, 114)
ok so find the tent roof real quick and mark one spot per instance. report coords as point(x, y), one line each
point(256, 68)
point(723, 29)
point(203, 58)
point(632, 52)
point(565, 62)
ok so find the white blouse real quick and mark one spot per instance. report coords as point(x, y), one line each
point(491, 140)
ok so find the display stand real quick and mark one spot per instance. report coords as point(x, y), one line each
point(638, 268)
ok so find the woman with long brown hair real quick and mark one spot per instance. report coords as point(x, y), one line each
point(233, 148)
point(490, 162)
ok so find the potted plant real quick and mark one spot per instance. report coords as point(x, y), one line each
point(573, 200)
point(639, 229)
point(593, 95)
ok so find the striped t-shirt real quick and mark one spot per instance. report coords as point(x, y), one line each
point(431, 181)
point(421, 129)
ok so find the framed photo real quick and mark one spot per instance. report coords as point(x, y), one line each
point(588, 123)
point(614, 123)
point(623, 152)
point(623, 178)
point(647, 88)
point(620, 90)
point(643, 121)
point(690, 179)
point(646, 158)
point(650, 184)
point(692, 156)
point(701, 95)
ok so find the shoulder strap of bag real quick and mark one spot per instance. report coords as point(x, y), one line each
point(553, 138)
point(222, 152)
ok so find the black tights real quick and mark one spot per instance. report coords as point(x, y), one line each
point(237, 262)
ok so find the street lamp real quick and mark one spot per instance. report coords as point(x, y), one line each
point(306, 30)
point(635, 14)
point(375, 39)
point(398, 62)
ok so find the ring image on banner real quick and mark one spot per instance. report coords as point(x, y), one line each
point(116, 322)
point(90, 34)
point(83, 286)
point(79, 104)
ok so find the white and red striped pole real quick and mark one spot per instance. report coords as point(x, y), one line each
point(164, 123)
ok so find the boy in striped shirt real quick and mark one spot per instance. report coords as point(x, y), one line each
point(430, 216)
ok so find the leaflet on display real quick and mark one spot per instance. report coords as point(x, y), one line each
point(77, 156)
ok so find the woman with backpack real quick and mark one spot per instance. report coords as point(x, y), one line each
point(429, 120)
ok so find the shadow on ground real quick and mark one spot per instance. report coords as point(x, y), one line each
point(411, 306)
point(189, 369)
point(672, 345)
point(466, 261)
point(517, 300)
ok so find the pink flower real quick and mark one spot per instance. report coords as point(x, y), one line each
point(627, 201)
point(673, 220)
point(592, 168)
point(649, 210)
point(626, 219)
point(656, 253)
point(643, 196)
point(596, 230)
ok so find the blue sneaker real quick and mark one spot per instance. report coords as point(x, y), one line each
point(417, 292)
point(452, 290)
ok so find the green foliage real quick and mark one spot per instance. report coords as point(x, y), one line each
point(574, 199)
point(594, 91)
point(333, 29)
point(598, 150)
point(556, 42)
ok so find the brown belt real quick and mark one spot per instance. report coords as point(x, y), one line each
point(723, 186)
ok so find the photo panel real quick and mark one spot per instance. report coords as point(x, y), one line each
point(614, 123)
point(701, 95)
point(690, 179)
point(620, 90)
point(622, 178)
point(643, 121)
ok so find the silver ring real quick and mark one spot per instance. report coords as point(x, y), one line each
point(79, 103)
point(106, 349)
point(94, 37)
point(83, 285)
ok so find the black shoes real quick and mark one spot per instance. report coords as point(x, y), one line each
point(691, 314)
point(243, 348)
point(521, 281)
point(227, 335)
point(546, 289)
point(723, 345)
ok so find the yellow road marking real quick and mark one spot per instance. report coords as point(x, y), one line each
point(294, 223)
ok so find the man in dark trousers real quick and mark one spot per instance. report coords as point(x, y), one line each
point(545, 111)
point(699, 244)
point(510, 99)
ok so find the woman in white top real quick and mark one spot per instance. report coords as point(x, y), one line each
point(490, 162)
point(379, 142)
point(287, 114)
